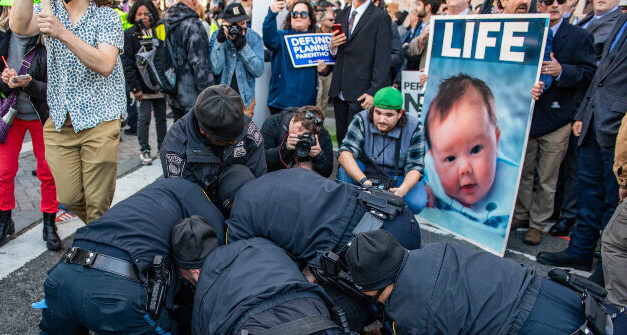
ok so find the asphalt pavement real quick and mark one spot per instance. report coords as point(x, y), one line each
point(24, 261)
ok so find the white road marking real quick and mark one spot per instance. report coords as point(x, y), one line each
point(30, 244)
point(27, 147)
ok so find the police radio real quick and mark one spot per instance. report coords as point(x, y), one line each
point(158, 282)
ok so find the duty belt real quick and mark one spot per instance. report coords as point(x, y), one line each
point(101, 262)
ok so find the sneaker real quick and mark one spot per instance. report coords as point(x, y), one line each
point(145, 158)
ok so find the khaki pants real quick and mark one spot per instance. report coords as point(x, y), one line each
point(544, 154)
point(84, 166)
point(324, 85)
point(614, 255)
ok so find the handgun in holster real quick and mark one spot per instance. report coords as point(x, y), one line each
point(593, 296)
point(158, 282)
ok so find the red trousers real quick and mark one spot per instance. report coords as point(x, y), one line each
point(9, 154)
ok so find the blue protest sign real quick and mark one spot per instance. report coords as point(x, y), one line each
point(306, 49)
point(500, 57)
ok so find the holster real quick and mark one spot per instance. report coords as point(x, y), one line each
point(158, 281)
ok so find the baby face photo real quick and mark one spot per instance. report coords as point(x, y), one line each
point(476, 119)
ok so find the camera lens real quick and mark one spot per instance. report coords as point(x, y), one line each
point(303, 147)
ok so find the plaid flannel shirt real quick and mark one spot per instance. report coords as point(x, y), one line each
point(354, 142)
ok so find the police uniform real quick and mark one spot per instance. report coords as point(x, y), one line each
point(219, 113)
point(187, 153)
point(254, 285)
point(306, 214)
point(446, 288)
point(100, 284)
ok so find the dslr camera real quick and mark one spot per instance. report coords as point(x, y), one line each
point(235, 31)
point(304, 144)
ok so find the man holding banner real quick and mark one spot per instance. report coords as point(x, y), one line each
point(572, 65)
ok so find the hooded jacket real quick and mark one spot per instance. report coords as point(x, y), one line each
point(447, 288)
point(242, 280)
point(189, 45)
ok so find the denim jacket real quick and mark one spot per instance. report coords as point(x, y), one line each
point(248, 63)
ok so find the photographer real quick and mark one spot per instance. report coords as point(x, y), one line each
point(236, 54)
point(297, 138)
point(386, 145)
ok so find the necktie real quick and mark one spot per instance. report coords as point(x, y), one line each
point(545, 78)
point(619, 37)
point(350, 24)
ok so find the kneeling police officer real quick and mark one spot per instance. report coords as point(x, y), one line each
point(254, 287)
point(117, 276)
point(214, 136)
point(446, 288)
point(307, 214)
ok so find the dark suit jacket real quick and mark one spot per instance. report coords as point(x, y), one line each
point(362, 64)
point(605, 102)
point(600, 29)
point(573, 48)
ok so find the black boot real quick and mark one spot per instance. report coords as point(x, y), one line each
point(53, 242)
point(7, 226)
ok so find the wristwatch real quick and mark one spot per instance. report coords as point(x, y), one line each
point(362, 180)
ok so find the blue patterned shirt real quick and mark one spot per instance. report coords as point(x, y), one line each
point(74, 89)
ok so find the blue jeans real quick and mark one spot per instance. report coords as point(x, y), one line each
point(81, 299)
point(597, 196)
point(415, 199)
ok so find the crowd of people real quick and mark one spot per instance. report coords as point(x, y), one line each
point(77, 70)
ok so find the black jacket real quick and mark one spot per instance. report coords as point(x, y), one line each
point(275, 129)
point(190, 45)
point(37, 89)
point(132, 38)
point(605, 103)
point(187, 153)
point(301, 211)
point(306, 214)
point(573, 48)
point(447, 288)
point(142, 224)
point(241, 280)
point(362, 64)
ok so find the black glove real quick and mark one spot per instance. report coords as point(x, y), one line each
point(239, 42)
point(221, 36)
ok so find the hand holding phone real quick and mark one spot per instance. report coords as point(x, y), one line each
point(337, 27)
point(21, 77)
point(337, 38)
point(277, 5)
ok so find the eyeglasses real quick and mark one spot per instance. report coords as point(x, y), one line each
point(303, 14)
point(550, 2)
point(316, 120)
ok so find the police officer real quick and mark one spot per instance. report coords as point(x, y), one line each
point(253, 287)
point(217, 134)
point(306, 214)
point(117, 276)
point(447, 288)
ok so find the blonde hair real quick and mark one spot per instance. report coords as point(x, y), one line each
point(4, 19)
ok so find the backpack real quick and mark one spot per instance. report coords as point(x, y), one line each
point(155, 64)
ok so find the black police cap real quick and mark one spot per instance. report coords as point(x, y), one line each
point(193, 239)
point(219, 111)
point(374, 259)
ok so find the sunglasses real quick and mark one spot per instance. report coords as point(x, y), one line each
point(302, 14)
point(316, 120)
point(550, 2)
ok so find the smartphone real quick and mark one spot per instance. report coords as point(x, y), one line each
point(337, 27)
point(22, 77)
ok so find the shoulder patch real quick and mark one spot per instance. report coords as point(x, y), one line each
point(254, 133)
point(239, 150)
point(175, 164)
